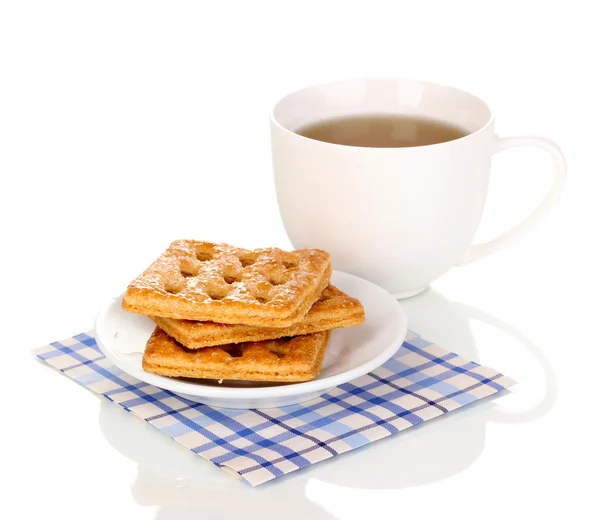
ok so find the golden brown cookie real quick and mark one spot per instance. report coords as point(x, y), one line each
point(333, 310)
point(279, 360)
point(203, 281)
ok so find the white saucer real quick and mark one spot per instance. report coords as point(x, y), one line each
point(351, 353)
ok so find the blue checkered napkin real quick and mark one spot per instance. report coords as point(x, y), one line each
point(420, 382)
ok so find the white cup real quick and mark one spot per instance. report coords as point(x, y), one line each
point(400, 217)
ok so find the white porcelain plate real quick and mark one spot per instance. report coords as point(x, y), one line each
point(351, 353)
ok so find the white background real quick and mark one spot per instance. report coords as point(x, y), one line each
point(127, 124)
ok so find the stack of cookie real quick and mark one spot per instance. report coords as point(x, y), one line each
point(224, 312)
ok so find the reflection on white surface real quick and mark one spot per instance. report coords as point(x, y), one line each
point(502, 346)
point(184, 486)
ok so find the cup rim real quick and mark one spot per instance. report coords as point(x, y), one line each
point(483, 128)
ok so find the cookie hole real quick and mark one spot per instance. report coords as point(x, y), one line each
point(276, 281)
point(262, 299)
point(188, 271)
point(289, 264)
point(279, 348)
point(203, 256)
point(213, 295)
point(189, 266)
point(172, 288)
point(232, 279)
point(246, 262)
point(234, 350)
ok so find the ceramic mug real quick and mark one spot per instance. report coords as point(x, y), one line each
point(400, 217)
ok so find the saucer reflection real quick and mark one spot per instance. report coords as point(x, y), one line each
point(182, 485)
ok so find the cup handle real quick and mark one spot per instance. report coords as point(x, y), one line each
point(560, 174)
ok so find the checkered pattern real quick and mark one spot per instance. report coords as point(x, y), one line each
point(420, 382)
